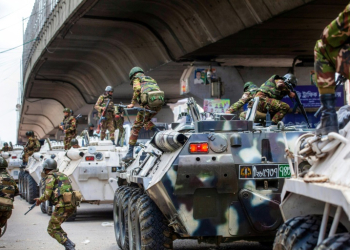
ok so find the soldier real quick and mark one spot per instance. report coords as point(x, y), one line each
point(249, 89)
point(74, 143)
point(6, 148)
point(8, 190)
point(118, 123)
point(332, 54)
point(100, 106)
point(33, 145)
point(69, 127)
point(147, 93)
point(271, 93)
point(56, 185)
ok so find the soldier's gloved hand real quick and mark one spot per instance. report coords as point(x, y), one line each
point(130, 106)
point(37, 201)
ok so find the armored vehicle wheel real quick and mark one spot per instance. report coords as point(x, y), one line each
point(73, 216)
point(123, 218)
point(153, 232)
point(336, 242)
point(301, 233)
point(133, 227)
point(24, 186)
point(116, 216)
point(32, 189)
point(20, 183)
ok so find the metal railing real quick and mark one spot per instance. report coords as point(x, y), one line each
point(41, 12)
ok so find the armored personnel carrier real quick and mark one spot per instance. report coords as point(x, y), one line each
point(14, 160)
point(316, 202)
point(218, 183)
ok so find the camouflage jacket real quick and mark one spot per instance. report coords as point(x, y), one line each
point(32, 145)
point(6, 149)
point(102, 102)
point(8, 186)
point(56, 184)
point(142, 84)
point(338, 31)
point(271, 90)
point(247, 96)
point(70, 125)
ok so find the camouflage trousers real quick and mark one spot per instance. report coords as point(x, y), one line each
point(118, 124)
point(108, 124)
point(276, 107)
point(67, 140)
point(142, 120)
point(26, 155)
point(59, 215)
point(328, 61)
point(5, 214)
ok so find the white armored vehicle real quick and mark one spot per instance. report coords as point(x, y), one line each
point(14, 160)
point(316, 201)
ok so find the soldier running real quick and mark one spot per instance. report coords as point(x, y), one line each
point(56, 185)
point(33, 145)
point(332, 54)
point(8, 190)
point(271, 93)
point(69, 127)
point(100, 106)
point(6, 148)
point(147, 93)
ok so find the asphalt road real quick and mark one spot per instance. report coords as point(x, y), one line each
point(87, 231)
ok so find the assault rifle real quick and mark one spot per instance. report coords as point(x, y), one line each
point(103, 117)
point(297, 102)
point(341, 79)
point(124, 107)
point(64, 126)
point(30, 209)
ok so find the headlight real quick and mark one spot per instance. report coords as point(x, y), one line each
point(99, 156)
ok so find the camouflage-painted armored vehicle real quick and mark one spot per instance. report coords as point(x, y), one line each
point(219, 183)
point(316, 203)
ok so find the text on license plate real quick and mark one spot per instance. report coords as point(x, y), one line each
point(264, 171)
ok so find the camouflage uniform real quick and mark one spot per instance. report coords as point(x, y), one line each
point(109, 122)
point(70, 125)
point(271, 95)
point(142, 84)
point(6, 149)
point(119, 121)
point(32, 146)
point(247, 96)
point(332, 53)
point(55, 185)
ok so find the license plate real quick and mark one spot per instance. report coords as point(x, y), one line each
point(264, 171)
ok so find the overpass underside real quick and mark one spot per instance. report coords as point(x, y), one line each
point(86, 45)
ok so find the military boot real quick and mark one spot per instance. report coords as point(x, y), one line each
point(329, 118)
point(113, 142)
point(118, 143)
point(129, 155)
point(71, 242)
point(68, 245)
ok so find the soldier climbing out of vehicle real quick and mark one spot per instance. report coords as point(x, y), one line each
point(6, 148)
point(33, 145)
point(271, 93)
point(74, 143)
point(105, 106)
point(69, 127)
point(58, 191)
point(8, 190)
point(149, 96)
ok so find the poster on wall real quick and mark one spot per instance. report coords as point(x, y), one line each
point(201, 76)
point(216, 105)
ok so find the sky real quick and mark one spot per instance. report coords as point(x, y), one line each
point(11, 35)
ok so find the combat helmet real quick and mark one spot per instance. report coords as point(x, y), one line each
point(135, 70)
point(248, 85)
point(6, 144)
point(68, 110)
point(109, 88)
point(3, 163)
point(50, 164)
point(290, 78)
point(74, 142)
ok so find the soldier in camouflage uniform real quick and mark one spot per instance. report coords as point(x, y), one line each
point(144, 87)
point(33, 145)
point(69, 127)
point(100, 106)
point(249, 89)
point(8, 190)
point(6, 148)
point(118, 123)
point(271, 93)
point(332, 54)
point(56, 185)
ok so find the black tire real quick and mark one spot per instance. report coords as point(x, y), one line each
point(73, 216)
point(123, 219)
point(116, 210)
point(154, 231)
point(20, 183)
point(24, 185)
point(32, 189)
point(133, 222)
point(336, 242)
point(301, 233)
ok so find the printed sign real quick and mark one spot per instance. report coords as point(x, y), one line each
point(216, 105)
point(264, 171)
